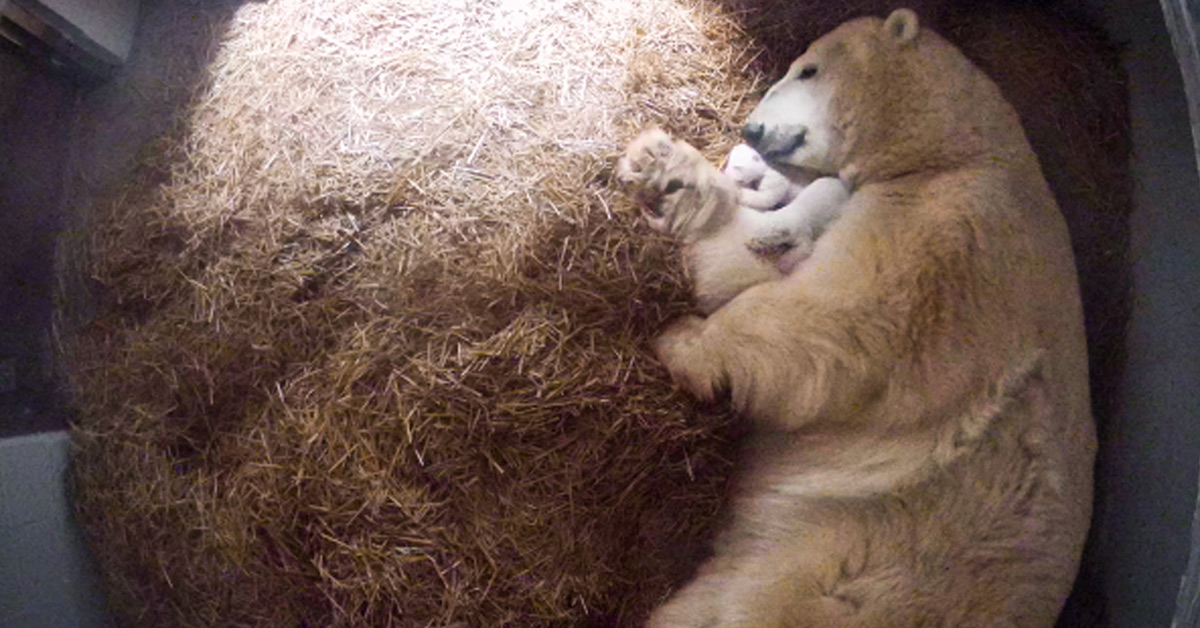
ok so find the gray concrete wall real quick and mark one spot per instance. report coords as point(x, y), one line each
point(1154, 454)
point(60, 147)
point(47, 579)
point(34, 120)
point(12, 73)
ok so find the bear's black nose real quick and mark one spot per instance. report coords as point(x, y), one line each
point(753, 132)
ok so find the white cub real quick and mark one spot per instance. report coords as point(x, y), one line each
point(763, 187)
point(800, 211)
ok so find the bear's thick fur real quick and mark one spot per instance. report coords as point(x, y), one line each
point(924, 442)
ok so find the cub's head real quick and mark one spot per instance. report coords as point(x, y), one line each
point(745, 166)
point(885, 96)
point(672, 182)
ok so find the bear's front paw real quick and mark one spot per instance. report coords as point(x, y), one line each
point(681, 349)
point(774, 243)
point(784, 249)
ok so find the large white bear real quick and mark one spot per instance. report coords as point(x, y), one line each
point(923, 443)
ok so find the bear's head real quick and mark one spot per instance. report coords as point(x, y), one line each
point(874, 99)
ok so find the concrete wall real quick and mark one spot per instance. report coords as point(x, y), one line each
point(34, 150)
point(1152, 462)
point(47, 579)
point(12, 73)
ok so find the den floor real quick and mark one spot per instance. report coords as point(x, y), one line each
point(61, 145)
point(46, 578)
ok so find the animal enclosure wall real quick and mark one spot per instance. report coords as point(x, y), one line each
point(352, 362)
point(1147, 472)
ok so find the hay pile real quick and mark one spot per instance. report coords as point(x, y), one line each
point(372, 342)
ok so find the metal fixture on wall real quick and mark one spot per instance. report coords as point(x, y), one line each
point(85, 38)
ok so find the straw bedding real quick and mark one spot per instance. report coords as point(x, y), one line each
point(372, 329)
point(373, 345)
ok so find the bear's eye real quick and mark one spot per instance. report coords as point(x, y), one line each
point(808, 72)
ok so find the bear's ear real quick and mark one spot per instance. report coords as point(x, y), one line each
point(902, 26)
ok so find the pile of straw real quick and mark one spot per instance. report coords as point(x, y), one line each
point(372, 335)
point(373, 341)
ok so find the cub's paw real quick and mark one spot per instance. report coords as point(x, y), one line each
point(681, 349)
point(792, 259)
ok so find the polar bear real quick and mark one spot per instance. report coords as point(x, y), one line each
point(922, 442)
point(726, 247)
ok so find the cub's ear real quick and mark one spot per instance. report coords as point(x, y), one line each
point(902, 26)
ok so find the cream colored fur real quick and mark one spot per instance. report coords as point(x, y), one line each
point(923, 443)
